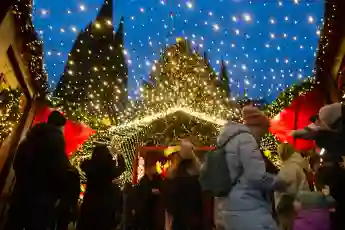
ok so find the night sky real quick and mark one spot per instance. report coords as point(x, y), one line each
point(267, 45)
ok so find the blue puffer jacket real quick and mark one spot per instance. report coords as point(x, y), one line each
point(247, 207)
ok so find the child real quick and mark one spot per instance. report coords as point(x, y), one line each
point(293, 172)
point(313, 211)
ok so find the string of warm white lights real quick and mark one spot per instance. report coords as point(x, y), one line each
point(233, 38)
point(9, 111)
point(98, 54)
point(258, 59)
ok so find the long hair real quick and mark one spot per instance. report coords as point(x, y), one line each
point(285, 151)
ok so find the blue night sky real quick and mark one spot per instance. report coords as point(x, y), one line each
point(267, 45)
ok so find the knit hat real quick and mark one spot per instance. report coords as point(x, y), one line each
point(329, 114)
point(256, 120)
point(252, 116)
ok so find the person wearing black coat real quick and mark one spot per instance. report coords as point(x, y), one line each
point(148, 197)
point(101, 201)
point(67, 208)
point(40, 167)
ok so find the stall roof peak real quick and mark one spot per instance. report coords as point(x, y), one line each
point(141, 122)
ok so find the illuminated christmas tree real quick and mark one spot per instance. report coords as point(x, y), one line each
point(183, 79)
point(95, 76)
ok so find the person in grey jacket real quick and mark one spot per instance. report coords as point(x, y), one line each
point(248, 205)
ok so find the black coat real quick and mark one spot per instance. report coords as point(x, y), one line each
point(41, 164)
point(40, 167)
point(102, 197)
point(147, 202)
point(185, 199)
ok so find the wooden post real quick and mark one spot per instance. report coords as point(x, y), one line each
point(135, 167)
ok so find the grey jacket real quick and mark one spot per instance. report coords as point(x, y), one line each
point(247, 166)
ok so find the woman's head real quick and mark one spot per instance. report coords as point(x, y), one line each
point(285, 151)
point(256, 120)
point(101, 153)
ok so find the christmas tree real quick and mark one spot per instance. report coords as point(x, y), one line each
point(95, 76)
point(183, 79)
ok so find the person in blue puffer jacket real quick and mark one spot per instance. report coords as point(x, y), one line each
point(248, 206)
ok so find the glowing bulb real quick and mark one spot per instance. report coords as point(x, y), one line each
point(234, 18)
point(296, 1)
point(247, 17)
point(44, 12)
point(322, 151)
point(189, 4)
point(97, 25)
point(82, 7)
point(142, 10)
point(74, 29)
point(310, 19)
point(216, 27)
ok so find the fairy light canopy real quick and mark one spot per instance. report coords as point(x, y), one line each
point(266, 45)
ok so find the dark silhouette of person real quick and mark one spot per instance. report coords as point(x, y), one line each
point(67, 208)
point(101, 201)
point(183, 193)
point(129, 207)
point(40, 167)
point(148, 198)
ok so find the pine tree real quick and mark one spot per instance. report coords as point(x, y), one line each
point(95, 76)
point(182, 78)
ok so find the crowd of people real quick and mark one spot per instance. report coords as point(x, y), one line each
point(307, 192)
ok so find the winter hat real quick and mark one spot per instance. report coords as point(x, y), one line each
point(57, 119)
point(252, 116)
point(329, 114)
point(256, 120)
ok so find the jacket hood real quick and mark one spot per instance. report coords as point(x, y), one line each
point(230, 129)
point(296, 158)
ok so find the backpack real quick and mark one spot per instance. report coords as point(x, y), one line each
point(215, 174)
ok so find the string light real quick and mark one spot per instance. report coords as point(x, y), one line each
point(141, 52)
point(212, 105)
point(189, 4)
point(10, 111)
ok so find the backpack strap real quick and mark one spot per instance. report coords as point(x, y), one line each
point(226, 142)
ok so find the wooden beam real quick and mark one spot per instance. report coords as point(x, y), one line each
point(5, 6)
